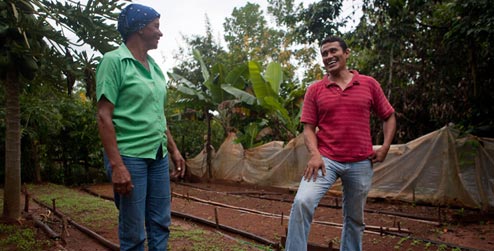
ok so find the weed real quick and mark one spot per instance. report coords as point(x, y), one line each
point(22, 239)
point(461, 212)
point(375, 241)
point(335, 241)
point(402, 240)
point(442, 247)
point(427, 245)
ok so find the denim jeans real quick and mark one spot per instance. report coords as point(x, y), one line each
point(146, 210)
point(356, 178)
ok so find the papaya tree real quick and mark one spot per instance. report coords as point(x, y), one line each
point(18, 59)
point(29, 42)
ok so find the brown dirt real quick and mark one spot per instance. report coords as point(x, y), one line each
point(268, 218)
point(477, 234)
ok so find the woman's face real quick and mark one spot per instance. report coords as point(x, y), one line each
point(151, 34)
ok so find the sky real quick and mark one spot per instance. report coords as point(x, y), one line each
point(188, 17)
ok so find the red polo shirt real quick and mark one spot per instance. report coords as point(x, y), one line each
point(343, 116)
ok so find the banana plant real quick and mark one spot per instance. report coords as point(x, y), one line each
point(220, 86)
point(266, 89)
point(211, 96)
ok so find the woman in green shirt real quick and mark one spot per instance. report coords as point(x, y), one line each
point(131, 92)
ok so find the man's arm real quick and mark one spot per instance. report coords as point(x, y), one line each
point(389, 130)
point(315, 160)
point(120, 175)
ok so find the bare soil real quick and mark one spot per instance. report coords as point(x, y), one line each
point(458, 227)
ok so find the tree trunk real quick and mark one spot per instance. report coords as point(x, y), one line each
point(12, 190)
point(90, 83)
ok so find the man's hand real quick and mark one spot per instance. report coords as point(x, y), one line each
point(380, 154)
point(315, 163)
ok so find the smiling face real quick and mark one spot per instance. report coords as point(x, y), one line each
point(334, 57)
point(151, 34)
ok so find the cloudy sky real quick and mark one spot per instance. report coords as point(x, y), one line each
point(188, 17)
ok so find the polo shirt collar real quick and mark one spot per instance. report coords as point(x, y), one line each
point(126, 54)
point(353, 82)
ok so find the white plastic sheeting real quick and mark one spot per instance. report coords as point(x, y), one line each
point(439, 168)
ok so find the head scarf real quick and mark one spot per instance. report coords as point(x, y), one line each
point(134, 17)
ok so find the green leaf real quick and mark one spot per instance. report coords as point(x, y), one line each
point(238, 76)
point(191, 92)
point(274, 75)
point(240, 94)
point(204, 69)
point(181, 80)
point(262, 89)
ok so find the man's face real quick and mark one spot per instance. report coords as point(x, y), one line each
point(333, 57)
point(151, 34)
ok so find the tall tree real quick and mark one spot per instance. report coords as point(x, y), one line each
point(248, 36)
point(319, 20)
point(414, 48)
point(19, 49)
point(303, 27)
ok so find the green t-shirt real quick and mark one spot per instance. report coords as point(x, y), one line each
point(138, 96)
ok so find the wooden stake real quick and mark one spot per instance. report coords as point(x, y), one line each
point(26, 202)
point(53, 204)
point(65, 230)
point(439, 215)
point(216, 217)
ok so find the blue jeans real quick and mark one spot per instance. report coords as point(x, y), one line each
point(146, 210)
point(356, 178)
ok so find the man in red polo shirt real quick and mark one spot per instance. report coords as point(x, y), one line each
point(339, 106)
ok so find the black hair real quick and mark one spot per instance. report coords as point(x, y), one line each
point(331, 39)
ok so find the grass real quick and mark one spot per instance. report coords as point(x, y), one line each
point(89, 211)
point(19, 238)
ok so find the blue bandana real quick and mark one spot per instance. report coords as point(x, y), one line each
point(134, 17)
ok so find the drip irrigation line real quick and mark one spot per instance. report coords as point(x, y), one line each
point(47, 229)
point(273, 215)
point(417, 218)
